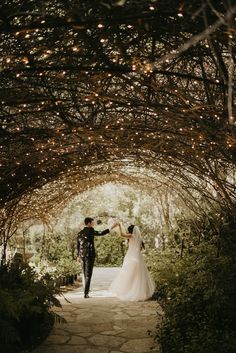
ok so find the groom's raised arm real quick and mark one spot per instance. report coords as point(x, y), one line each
point(128, 236)
point(103, 232)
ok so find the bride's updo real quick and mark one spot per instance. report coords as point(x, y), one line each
point(131, 228)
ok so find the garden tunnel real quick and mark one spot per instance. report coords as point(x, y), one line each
point(129, 92)
point(91, 90)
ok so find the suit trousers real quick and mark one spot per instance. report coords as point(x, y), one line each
point(87, 267)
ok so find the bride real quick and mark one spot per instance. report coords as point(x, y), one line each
point(133, 282)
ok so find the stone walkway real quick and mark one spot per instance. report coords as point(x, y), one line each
point(102, 323)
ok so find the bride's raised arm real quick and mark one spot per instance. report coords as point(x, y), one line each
point(125, 235)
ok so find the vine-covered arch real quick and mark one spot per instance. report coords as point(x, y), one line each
point(136, 92)
point(115, 83)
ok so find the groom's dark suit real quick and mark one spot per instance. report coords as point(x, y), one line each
point(86, 252)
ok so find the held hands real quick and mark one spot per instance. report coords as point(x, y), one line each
point(119, 231)
point(115, 225)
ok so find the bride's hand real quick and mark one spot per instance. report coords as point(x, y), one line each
point(114, 225)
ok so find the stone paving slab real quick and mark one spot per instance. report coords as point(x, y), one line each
point(103, 324)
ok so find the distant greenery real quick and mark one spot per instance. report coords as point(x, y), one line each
point(25, 307)
point(55, 246)
point(110, 250)
point(57, 255)
point(197, 293)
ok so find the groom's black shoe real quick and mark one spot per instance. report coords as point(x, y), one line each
point(86, 296)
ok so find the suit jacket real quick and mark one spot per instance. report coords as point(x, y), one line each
point(85, 241)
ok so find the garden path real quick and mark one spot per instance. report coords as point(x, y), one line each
point(102, 323)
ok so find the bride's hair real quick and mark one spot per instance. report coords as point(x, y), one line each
point(131, 228)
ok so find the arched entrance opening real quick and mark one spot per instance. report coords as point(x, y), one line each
point(121, 191)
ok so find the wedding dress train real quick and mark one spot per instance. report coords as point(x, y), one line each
point(133, 282)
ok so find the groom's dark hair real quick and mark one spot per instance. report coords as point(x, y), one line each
point(131, 228)
point(88, 220)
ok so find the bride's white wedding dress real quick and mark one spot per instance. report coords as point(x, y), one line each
point(133, 282)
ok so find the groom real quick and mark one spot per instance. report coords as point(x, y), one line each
point(86, 250)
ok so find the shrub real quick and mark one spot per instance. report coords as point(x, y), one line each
point(25, 306)
point(58, 257)
point(198, 296)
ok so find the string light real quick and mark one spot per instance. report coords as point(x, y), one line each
point(132, 110)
